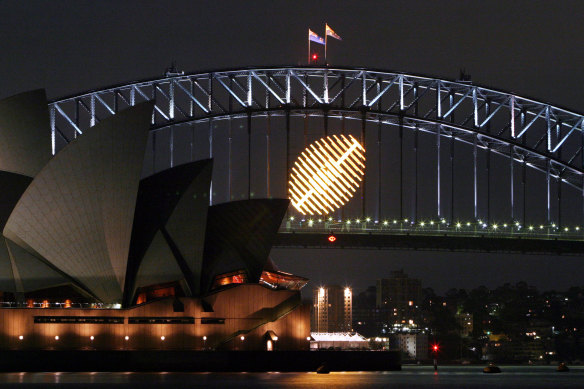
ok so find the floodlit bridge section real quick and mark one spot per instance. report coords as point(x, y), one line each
point(444, 159)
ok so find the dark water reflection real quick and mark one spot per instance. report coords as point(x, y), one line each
point(533, 377)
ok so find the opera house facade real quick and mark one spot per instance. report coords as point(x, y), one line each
point(93, 256)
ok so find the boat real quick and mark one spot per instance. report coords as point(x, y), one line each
point(492, 369)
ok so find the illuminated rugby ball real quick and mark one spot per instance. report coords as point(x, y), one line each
point(327, 174)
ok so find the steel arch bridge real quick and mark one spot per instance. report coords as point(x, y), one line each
point(448, 161)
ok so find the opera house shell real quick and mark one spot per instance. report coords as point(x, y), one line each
point(93, 256)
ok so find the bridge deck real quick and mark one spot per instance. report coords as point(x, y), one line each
point(433, 241)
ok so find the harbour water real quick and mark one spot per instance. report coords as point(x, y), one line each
point(411, 377)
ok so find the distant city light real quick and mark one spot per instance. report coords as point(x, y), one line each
point(162, 337)
point(57, 337)
point(242, 338)
point(332, 238)
point(21, 337)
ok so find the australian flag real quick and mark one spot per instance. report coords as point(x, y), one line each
point(313, 36)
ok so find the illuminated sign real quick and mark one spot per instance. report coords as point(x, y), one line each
point(327, 174)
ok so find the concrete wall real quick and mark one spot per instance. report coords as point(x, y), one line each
point(250, 310)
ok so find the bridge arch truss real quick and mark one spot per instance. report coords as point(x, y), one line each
point(284, 102)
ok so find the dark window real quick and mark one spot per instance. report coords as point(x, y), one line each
point(80, 319)
point(161, 320)
point(212, 320)
point(178, 306)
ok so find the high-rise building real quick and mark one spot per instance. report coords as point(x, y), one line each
point(398, 298)
point(332, 309)
point(415, 346)
point(398, 290)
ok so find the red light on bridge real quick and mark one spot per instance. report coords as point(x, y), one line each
point(332, 238)
point(435, 348)
point(314, 57)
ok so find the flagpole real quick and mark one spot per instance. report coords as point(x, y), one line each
point(309, 46)
point(325, 40)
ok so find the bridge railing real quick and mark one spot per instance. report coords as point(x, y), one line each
point(431, 228)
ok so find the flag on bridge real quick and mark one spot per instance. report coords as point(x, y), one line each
point(329, 31)
point(313, 36)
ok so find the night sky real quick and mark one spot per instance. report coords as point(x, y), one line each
point(530, 48)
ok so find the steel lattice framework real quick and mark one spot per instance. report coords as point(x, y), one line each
point(529, 133)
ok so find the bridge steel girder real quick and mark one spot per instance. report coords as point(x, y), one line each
point(193, 96)
point(538, 131)
point(532, 134)
point(445, 242)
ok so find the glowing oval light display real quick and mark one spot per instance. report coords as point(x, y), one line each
point(326, 174)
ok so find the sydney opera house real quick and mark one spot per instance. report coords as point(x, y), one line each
point(94, 256)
